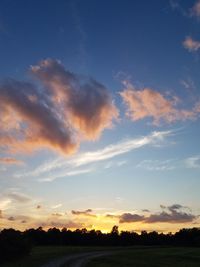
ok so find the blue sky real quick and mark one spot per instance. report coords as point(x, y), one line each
point(99, 111)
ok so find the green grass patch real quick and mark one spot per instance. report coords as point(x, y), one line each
point(150, 257)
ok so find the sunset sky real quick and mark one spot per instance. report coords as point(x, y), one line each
point(100, 114)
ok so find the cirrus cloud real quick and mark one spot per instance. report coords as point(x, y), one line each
point(195, 10)
point(10, 161)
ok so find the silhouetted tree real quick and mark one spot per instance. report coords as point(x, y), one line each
point(13, 244)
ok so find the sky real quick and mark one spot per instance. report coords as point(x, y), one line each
point(99, 114)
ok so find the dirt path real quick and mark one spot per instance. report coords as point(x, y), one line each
point(77, 260)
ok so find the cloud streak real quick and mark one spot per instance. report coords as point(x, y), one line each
point(63, 167)
point(10, 161)
point(193, 162)
point(18, 197)
point(195, 10)
point(157, 165)
point(87, 213)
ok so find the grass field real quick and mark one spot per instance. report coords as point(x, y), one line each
point(150, 257)
point(40, 255)
point(130, 257)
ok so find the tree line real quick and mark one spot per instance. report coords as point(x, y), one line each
point(14, 243)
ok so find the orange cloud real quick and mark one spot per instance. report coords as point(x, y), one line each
point(10, 161)
point(190, 44)
point(150, 103)
point(31, 124)
point(85, 103)
point(58, 115)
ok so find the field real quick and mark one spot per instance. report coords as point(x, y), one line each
point(150, 257)
point(125, 257)
point(43, 254)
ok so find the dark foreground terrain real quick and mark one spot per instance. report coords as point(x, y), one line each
point(78, 248)
point(109, 257)
point(151, 257)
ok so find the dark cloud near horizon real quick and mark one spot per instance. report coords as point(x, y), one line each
point(175, 213)
point(60, 224)
point(11, 218)
point(128, 218)
point(112, 216)
point(87, 212)
point(146, 210)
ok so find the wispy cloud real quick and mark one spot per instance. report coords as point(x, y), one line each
point(193, 162)
point(63, 167)
point(195, 10)
point(175, 213)
point(10, 161)
point(19, 197)
point(56, 206)
point(158, 165)
point(4, 203)
point(189, 84)
point(191, 45)
point(176, 5)
point(120, 148)
point(65, 173)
